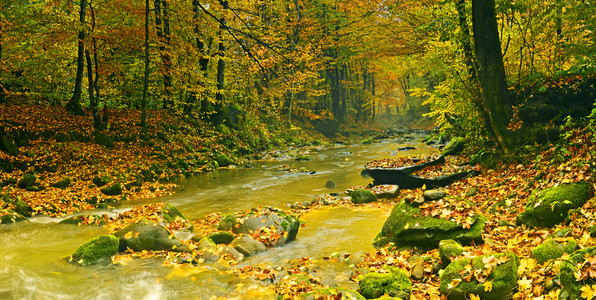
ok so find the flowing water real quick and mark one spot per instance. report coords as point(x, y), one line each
point(32, 264)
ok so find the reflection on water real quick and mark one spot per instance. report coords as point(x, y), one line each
point(32, 264)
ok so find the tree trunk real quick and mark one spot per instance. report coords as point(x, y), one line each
point(162, 24)
point(491, 70)
point(195, 97)
point(146, 79)
point(2, 91)
point(221, 68)
point(93, 83)
point(74, 104)
point(466, 40)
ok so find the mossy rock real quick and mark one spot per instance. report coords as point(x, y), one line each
point(256, 219)
point(302, 158)
point(223, 160)
point(62, 184)
point(103, 140)
point(503, 278)
point(222, 237)
point(96, 220)
point(26, 181)
point(169, 213)
point(551, 206)
point(359, 196)
point(367, 141)
point(455, 147)
point(101, 181)
point(569, 283)
point(226, 223)
point(147, 235)
point(112, 190)
point(22, 208)
point(97, 249)
point(448, 249)
point(8, 216)
point(333, 293)
point(552, 249)
point(396, 283)
point(406, 226)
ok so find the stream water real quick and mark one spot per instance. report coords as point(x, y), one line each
point(31, 254)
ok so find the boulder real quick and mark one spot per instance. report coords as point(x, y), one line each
point(170, 213)
point(23, 208)
point(226, 223)
point(551, 248)
point(395, 284)
point(406, 226)
point(112, 190)
point(221, 237)
point(208, 250)
point(551, 206)
point(501, 274)
point(103, 139)
point(247, 245)
point(455, 147)
point(147, 235)
point(8, 216)
point(569, 267)
point(435, 194)
point(223, 160)
point(268, 219)
point(449, 249)
point(386, 191)
point(97, 249)
point(101, 181)
point(333, 293)
point(359, 196)
point(62, 184)
point(26, 181)
point(330, 184)
point(86, 220)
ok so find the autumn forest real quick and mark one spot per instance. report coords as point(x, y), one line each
point(297, 149)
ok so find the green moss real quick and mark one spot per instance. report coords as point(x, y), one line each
point(551, 249)
point(503, 278)
point(449, 248)
point(454, 147)
point(221, 237)
point(367, 141)
point(551, 206)
point(333, 293)
point(362, 196)
point(170, 213)
point(395, 283)
point(112, 190)
point(302, 157)
point(9, 216)
point(223, 160)
point(94, 250)
point(569, 267)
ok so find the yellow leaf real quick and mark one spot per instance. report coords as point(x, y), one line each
point(588, 291)
point(488, 286)
point(474, 297)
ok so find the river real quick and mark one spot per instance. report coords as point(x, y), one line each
point(32, 264)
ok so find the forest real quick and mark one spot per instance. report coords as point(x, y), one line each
point(297, 149)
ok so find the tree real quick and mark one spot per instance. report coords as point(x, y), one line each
point(146, 74)
point(74, 104)
point(491, 69)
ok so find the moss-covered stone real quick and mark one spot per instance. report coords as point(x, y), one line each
point(99, 248)
point(86, 220)
point(62, 184)
point(222, 237)
point(226, 223)
point(256, 219)
point(407, 226)
point(112, 190)
point(359, 196)
point(448, 249)
point(503, 278)
point(395, 284)
point(103, 139)
point(552, 249)
point(568, 267)
point(147, 235)
point(26, 181)
point(8, 216)
point(101, 181)
point(223, 160)
point(455, 147)
point(551, 206)
point(23, 208)
point(302, 157)
point(169, 213)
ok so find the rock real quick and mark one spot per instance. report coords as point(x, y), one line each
point(448, 249)
point(359, 196)
point(407, 227)
point(455, 147)
point(101, 181)
point(86, 220)
point(268, 219)
point(223, 160)
point(112, 190)
point(471, 192)
point(97, 249)
point(333, 293)
point(386, 191)
point(8, 216)
point(395, 284)
point(551, 206)
point(103, 139)
point(503, 278)
point(170, 213)
point(419, 200)
point(208, 250)
point(551, 248)
point(568, 267)
point(62, 184)
point(247, 245)
point(434, 194)
point(417, 271)
point(232, 251)
point(406, 148)
point(22, 208)
point(147, 235)
point(34, 188)
point(330, 184)
point(226, 223)
point(302, 158)
point(8, 145)
point(437, 267)
point(26, 181)
point(221, 237)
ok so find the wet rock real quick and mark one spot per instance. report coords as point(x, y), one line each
point(406, 226)
point(302, 157)
point(95, 250)
point(170, 214)
point(208, 250)
point(417, 271)
point(86, 219)
point(551, 248)
point(147, 235)
point(359, 196)
point(437, 266)
point(406, 148)
point(395, 284)
point(503, 278)
point(8, 216)
point(436, 194)
point(221, 237)
point(258, 219)
point(223, 160)
point(247, 245)
point(112, 190)
point(26, 181)
point(386, 191)
point(226, 223)
point(449, 249)
point(330, 184)
point(551, 206)
point(232, 251)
